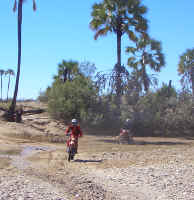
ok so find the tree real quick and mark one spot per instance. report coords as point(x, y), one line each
point(88, 69)
point(74, 98)
point(147, 52)
point(67, 70)
point(120, 17)
point(2, 72)
point(9, 72)
point(18, 5)
point(186, 69)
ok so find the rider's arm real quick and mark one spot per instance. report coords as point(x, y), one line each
point(80, 132)
point(67, 130)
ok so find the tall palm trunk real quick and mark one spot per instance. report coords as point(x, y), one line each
point(13, 105)
point(118, 65)
point(119, 48)
point(8, 86)
point(118, 72)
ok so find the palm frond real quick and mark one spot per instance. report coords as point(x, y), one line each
point(132, 36)
point(102, 32)
point(131, 50)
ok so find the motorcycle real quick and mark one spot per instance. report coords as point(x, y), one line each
point(124, 136)
point(71, 148)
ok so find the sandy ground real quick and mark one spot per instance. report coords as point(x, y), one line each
point(34, 167)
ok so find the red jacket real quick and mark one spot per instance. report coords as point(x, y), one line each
point(75, 131)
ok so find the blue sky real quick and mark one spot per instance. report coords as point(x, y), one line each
point(60, 30)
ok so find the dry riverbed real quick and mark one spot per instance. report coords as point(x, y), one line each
point(35, 168)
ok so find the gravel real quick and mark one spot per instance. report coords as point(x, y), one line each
point(172, 179)
point(20, 187)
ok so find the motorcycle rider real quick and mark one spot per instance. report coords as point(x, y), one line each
point(127, 124)
point(75, 132)
point(126, 133)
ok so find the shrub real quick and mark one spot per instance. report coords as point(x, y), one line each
point(72, 99)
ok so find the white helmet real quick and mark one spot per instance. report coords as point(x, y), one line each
point(127, 120)
point(74, 121)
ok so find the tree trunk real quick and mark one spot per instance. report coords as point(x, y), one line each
point(118, 80)
point(65, 75)
point(13, 104)
point(119, 48)
point(69, 75)
point(8, 86)
point(169, 88)
point(118, 65)
point(145, 81)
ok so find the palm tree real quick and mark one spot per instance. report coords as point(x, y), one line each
point(9, 72)
point(18, 5)
point(186, 69)
point(147, 52)
point(2, 72)
point(67, 70)
point(120, 17)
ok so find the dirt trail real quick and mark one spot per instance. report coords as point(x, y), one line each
point(151, 169)
point(32, 139)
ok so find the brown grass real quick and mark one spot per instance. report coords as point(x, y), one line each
point(53, 166)
point(147, 151)
point(5, 163)
point(9, 150)
point(93, 148)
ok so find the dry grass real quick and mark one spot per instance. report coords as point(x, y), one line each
point(5, 163)
point(9, 149)
point(97, 152)
point(93, 150)
point(95, 144)
point(146, 152)
point(10, 152)
point(5, 104)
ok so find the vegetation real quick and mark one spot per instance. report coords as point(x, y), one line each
point(72, 95)
point(10, 73)
point(2, 72)
point(161, 112)
point(120, 17)
point(147, 52)
point(186, 69)
point(104, 101)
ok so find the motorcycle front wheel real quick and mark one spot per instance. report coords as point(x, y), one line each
point(71, 154)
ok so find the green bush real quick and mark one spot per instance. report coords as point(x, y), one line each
point(161, 113)
point(72, 99)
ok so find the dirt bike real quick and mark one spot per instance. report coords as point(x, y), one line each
point(124, 132)
point(71, 148)
point(125, 136)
